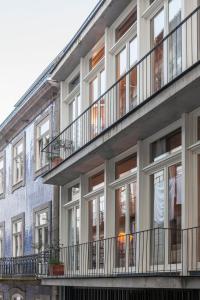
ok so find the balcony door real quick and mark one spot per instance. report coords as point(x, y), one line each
point(97, 87)
point(166, 59)
point(75, 129)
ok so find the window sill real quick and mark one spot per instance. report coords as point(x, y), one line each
point(153, 9)
point(168, 160)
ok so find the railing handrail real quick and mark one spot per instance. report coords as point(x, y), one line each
point(124, 75)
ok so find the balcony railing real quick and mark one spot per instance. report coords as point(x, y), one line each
point(23, 266)
point(168, 60)
point(154, 252)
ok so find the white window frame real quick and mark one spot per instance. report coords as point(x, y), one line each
point(2, 175)
point(42, 227)
point(150, 169)
point(41, 160)
point(17, 235)
point(21, 157)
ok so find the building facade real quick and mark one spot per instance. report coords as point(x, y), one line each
point(127, 156)
point(27, 206)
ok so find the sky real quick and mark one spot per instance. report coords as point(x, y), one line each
point(32, 33)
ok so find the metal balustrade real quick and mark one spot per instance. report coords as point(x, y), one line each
point(153, 252)
point(178, 52)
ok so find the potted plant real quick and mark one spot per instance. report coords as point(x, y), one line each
point(56, 267)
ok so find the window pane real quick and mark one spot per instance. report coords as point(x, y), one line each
point(133, 51)
point(126, 24)
point(43, 218)
point(92, 233)
point(120, 224)
point(96, 181)
point(157, 31)
point(44, 127)
point(74, 192)
point(175, 40)
point(175, 207)
point(96, 57)
point(125, 166)
point(121, 63)
point(71, 226)
point(168, 144)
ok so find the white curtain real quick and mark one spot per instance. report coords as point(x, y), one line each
point(159, 203)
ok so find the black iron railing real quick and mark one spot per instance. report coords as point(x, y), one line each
point(23, 266)
point(153, 252)
point(175, 54)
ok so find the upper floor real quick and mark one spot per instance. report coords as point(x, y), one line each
point(114, 78)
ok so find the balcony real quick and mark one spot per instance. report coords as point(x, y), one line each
point(22, 267)
point(156, 252)
point(169, 62)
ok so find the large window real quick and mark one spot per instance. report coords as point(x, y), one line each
point(74, 112)
point(42, 139)
point(166, 200)
point(18, 162)
point(97, 87)
point(125, 210)
point(41, 230)
point(73, 224)
point(127, 85)
point(96, 222)
point(17, 237)
point(2, 175)
point(126, 24)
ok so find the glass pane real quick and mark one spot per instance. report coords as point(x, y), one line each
point(126, 24)
point(71, 226)
point(74, 192)
point(101, 231)
point(44, 127)
point(93, 90)
point(175, 207)
point(175, 40)
point(92, 233)
point(125, 166)
point(120, 218)
point(166, 145)
point(96, 57)
point(43, 218)
point(133, 51)
point(157, 30)
point(158, 234)
point(133, 74)
point(96, 181)
point(132, 223)
point(121, 63)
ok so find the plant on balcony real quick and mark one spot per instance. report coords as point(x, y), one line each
point(56, 267)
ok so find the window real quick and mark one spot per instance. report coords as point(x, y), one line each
point(1, 241)
point(41, 230)
point(42, 139)
point(2, 170)
point(17, 236)
point(17, 297)
point(96, 57)
point(125, 25)
point(73, 221)
point(126, 166)
point(74, 112)
point(166, 145)
point(125, 210)
point(18, 162)
point(97, 87)
point(157, 34)
point(126, 59)
point(96, 181)
point(96, 222)
point(75, 82)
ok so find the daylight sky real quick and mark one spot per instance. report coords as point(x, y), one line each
point(32, 33)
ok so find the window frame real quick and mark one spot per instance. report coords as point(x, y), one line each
point(3, 157)
point(14, 220)
point(21, 182)
point(41, 169)
point(2, 241)
point(46, 207)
